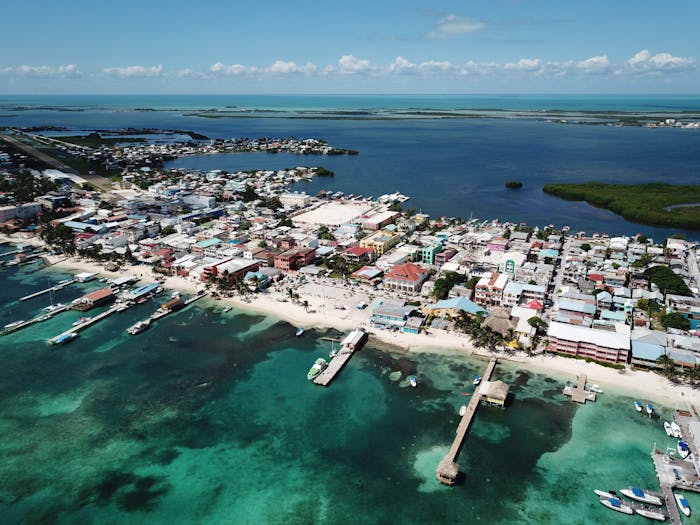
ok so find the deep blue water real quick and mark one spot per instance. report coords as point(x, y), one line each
point(451, 167)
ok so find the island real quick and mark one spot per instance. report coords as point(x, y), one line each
point(654, 204)
point(514, 184)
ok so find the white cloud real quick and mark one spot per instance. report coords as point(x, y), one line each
point(134, 71)
point(233, 69)
point(645, 62)
point(401, 65)
point(525, 64)
point(435, 66)
point(282, 67)
point(63, 71)
point(596, 64)
point(349, 64)
point(452, 26)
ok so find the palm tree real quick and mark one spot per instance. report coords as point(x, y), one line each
point(305, 304)
point(669, 367)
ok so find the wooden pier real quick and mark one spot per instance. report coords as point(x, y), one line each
point(90, 322)
point(48, 290)
point(448, 469)
point(579, 394)
point(341, 358)
point(44, 317)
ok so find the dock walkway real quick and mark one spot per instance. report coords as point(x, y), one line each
point(579, 394)
point(339, 361)
point(24, 324)
point(48, 290)
point(448, 469)
point(89, 322)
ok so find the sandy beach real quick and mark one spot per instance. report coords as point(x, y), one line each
point(319, 314)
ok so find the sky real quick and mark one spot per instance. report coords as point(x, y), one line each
point(359, 46)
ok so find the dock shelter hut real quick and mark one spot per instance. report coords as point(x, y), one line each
point(494, 392)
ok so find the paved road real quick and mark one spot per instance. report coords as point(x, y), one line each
point(97, 180)
point(693, 270)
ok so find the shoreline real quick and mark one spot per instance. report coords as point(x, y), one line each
point(647, 384)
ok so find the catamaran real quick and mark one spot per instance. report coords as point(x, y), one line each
point(617, 505)
point(639, 495)
point(683, 504)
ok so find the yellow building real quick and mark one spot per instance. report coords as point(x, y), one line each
point(381, 241)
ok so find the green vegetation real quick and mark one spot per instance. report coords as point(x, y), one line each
point(675, 320)
point(26, 187)
point(445, 283)
point(96, 141)
point(514, 184)
point(323, 172)
point(642, 203)
point(667, 281)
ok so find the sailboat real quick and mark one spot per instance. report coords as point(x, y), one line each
point(52, 307)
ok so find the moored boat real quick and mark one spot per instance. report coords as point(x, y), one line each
point(139, 327)
point(617, 505)
point(683, 504)
point(318, 367)
point(651, 514)
point(81, 321)
point(668, 429)
point(683, 449)
point(53, 307)
point(650, 409)
point(604, 494)
point(299, 331)
point(413, 381)
point(477, 380)
point(676, 430)
point(462, 410)
point(64, 338)
point(596, 389)
point(13, 324)
point(638, 406)
point(227, 309)
point(640, 495)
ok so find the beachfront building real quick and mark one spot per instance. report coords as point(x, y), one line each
point(387, 313)
point(407, 277)
point(358, 254)
point(489, 290)
point(381, 241)
point(610, 345)
point(295, 258)
point(647, 347)
point(93, 299)
point(453, 308)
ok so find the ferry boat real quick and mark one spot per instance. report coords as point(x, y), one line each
point(477, 380)
point(617, 505)
point(139, 327)
point(318, 367)
point(64, 338)
point(638, 406)
point(462, 410)
point(676, 430)
point(651, 514)
point(683, 449)
point(683, 504)
point(413, 381)
point(299, 332)
point(639, 495)
point(650, 409)
point(668, 429)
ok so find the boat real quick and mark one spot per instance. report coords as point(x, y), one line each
point(13, 324)
point(651, 514)
point(227, 309)
point(596, 389)
point(638, 406)
point(617, 505)
point(318, 367)
point(299, 331)
point(640, 495)
point(64, 338)
point(413, 381)
point(669, 429)
point(683, 449)
point(683, 504)
point(53, 307)
point(676, 430)
point(604, 494)
point(650, 409)
point(462, 410)
point(81, 321)
point(139, 327)
point(477, 380)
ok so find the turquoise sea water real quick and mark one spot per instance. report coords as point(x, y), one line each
point(208, 418)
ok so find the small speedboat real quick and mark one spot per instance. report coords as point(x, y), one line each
point(227, 309)
point(13, 324)
point(604, 494)
point(651, 514)
point(596, 389)
point(683, 504)
point(477, 380)
point(462, 410)
point(676, 430)
point(299, 331)
point(617, 505)
point(640, 495)
point(650, 409)
point(53, 307)
point(638, 406)
point(81, 321)
point(413, 381)
point(669, 429)
point(683, 449)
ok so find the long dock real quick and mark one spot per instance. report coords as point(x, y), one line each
point(89, 322)
point(342, 357)
point(159, 314)
point(48, 290)
point(24, 324)
point(448, 469)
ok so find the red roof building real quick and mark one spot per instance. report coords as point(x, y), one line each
point(407, 277)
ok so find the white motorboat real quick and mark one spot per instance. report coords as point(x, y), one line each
point(53, 307)
point(462, 410)
point(676, 430)
point(617, 505)
point(683, 449)
point(650, 409)
point(413, 381)
point(651, 514)
point(683, 504)
point(604, 494)
point(596, 389)
point(477, 380)
point(299, 332)
point(668, 428)
point(638, 406)
point(640, 495)
point(13, 324)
